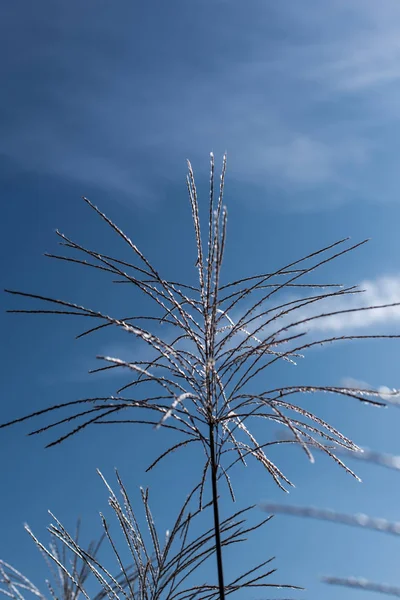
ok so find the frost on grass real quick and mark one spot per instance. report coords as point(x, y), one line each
point(212, 343)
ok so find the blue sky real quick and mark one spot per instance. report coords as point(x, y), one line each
point(108, 100)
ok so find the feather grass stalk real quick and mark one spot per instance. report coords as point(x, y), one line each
point(221, 338)
point(151, 566)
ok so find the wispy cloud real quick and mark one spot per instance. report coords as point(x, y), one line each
point(294, 94)
point(367, 57)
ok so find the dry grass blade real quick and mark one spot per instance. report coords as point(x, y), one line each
point(359, 520)
point(363, 584)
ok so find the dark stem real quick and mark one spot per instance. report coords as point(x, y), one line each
point(217, 531)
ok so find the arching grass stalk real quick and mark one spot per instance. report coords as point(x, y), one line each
point(216, 340)
point(152, 566)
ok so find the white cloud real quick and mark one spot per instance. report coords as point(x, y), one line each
point(316, 318)
point(350, 44)
point(380, 291)
point(304, 160)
